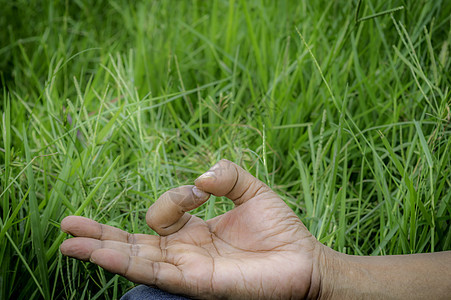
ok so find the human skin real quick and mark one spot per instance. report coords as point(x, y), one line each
point(258, 250)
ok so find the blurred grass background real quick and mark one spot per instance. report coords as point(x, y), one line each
point(343, 107)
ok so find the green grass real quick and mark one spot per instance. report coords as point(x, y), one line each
point(343, 107)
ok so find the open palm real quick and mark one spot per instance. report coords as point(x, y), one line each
point(260, 249)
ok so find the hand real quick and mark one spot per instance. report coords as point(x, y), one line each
point(260, 249)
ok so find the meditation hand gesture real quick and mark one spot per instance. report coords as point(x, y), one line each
point(258, 250)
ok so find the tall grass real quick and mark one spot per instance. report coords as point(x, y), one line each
point(343, 107)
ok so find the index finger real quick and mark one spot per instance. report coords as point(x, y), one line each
point(168, 214)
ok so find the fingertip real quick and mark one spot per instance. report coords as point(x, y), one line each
point(65, 224)
point(63, 248)
point(207, 176)
point(79, 247)
point(213, 172)
point(72, 221)
point(228, 179)
point(200, 194)
point(219, 179)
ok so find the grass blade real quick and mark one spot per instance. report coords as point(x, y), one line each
point(37, 236)
point(424, 145)
point(379, 14)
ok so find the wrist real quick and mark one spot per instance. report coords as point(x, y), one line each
point(345, 276)
point(327, 263)
point(334, 273)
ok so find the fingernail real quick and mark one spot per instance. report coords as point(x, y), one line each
point(92, 260)
point(208, 174)
point(199, 193)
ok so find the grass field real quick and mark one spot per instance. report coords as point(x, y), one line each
point(342, 107)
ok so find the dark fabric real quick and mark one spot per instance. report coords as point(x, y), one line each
point(144, 292)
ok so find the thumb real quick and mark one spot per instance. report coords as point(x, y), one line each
point(228, 179)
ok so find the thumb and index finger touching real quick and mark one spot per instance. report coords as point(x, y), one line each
point(169, 213)
point(166, 216)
